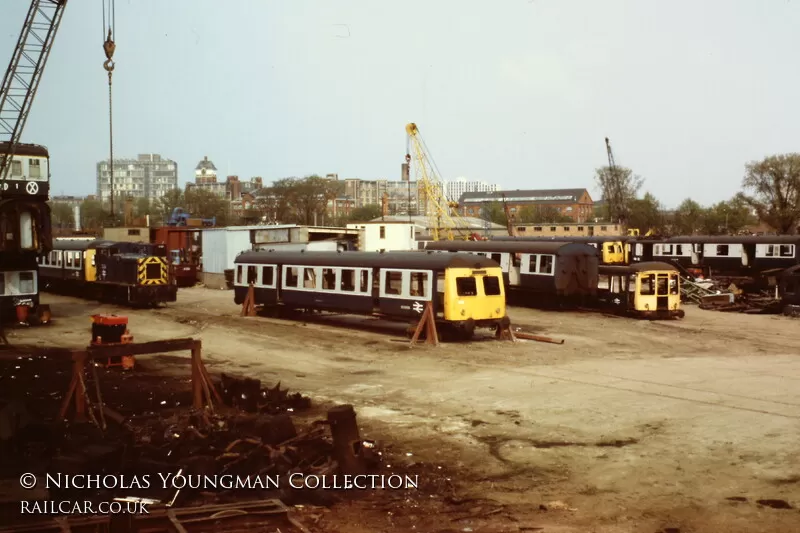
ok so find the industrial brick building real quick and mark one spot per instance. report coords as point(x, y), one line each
point(576, 204)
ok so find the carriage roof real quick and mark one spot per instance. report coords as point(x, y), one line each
point(406, 260)
point(525, 247)
point(635, 268)
point(32, 150)
point(73, 244)
point(564, 238)
point(726, 239)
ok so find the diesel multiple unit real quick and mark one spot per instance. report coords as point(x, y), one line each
point(465, 292)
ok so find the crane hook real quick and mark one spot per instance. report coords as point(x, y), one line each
point(108, 48)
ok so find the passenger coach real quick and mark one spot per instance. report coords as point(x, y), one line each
point(559, 271)
point(466, 292)
point(614, 250)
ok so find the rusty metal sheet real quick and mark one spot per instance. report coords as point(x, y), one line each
point(262, 236)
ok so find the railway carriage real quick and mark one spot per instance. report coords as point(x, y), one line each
point(25, 227)
point(614, 250)
point(647, 290)
point(557, 271)
point(124, 272)
point(466, 292)
point(733, 256)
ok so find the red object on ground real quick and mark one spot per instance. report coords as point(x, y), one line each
point(22, 313)
point(110, 320)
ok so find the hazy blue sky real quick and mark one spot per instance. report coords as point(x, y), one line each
point(520, 93)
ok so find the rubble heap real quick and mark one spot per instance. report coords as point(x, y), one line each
point(254, 435)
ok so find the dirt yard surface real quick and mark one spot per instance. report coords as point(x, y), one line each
point(630, 426)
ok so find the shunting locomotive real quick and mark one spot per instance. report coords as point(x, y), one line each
point(466, 292)
point(121, 272)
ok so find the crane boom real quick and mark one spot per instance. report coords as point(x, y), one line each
point(432, 197)
point(25, 72)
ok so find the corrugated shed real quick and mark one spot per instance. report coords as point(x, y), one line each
point(222, 245)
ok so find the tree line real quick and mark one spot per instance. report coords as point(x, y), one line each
point(770, 190)
point(770, 193)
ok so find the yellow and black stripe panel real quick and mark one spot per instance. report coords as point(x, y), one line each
point(153, 271)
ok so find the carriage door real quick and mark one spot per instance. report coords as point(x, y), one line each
point(662, 292)
point(748, 254)
point(696, 253)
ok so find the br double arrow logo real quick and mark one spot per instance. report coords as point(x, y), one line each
point(418, 307)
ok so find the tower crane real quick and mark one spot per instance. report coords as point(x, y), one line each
point(443, 213)
point(24, 73)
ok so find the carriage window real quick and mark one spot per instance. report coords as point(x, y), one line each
point(419, 282)
point(545, 264)
point(632, 283)
point(673, 284)
point(787, 250)
point(394, 282)
point(722, 250)
point(666, 249)
point(770, 250)
point(491, 286)
point(466, 286)
point(34, 168)
point(26, 282)
point(498, 258)
point(291, 277)
point(532, 263)
point(252, 274)
point(69, 259)
point(329, 279)
point(348, 280)
point(515, 261)
point(365, 281)
point(602, 282)
point(267, 275)
point(662, 284)
point(238, 273)
point(648, 285)
point(16, 168)
point(310, 278)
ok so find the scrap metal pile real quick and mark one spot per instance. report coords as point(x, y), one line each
point(146, 427)
point(733, 300)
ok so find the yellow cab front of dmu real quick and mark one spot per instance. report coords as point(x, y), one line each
point(646, 290)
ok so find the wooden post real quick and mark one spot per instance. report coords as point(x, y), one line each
point(427, 321)
point(197, 378)
point(249, 305)
point(346, 439)
point(80, 389)
point(504, 332)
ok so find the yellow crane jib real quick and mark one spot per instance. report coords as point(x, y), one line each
point(432, 199)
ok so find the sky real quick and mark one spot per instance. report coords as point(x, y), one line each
point(520, 93)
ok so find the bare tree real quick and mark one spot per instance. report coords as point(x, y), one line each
point(620, 187)
point(774, 190)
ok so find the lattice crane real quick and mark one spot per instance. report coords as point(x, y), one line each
point(442, 213)
point(25, 72)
